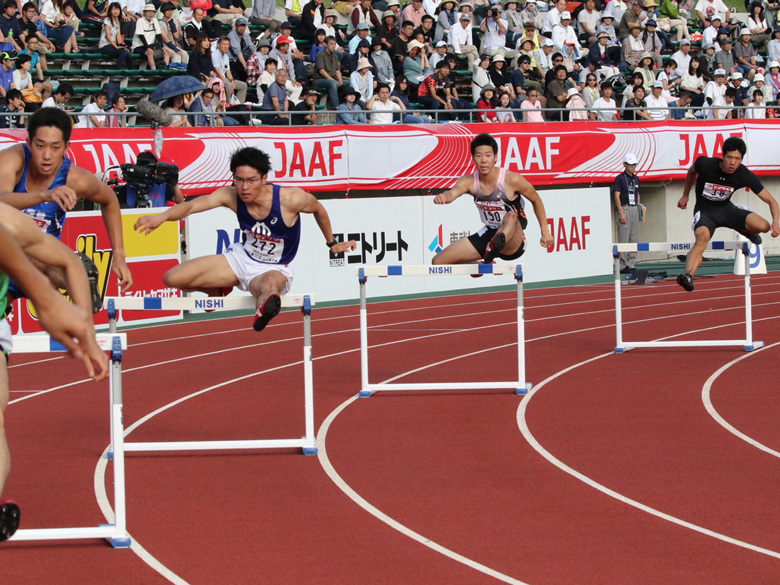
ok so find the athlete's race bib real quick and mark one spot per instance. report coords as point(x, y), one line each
point(716, 192)
point(39, 217)
point(491, 212)
point(265, 249)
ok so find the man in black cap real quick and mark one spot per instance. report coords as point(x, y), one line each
point(241, 49)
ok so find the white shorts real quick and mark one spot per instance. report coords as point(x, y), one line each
point(246, 269)
point(6, 341)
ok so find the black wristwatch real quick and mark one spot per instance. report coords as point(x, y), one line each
point(333, 243)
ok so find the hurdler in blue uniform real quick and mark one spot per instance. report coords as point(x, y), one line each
point(47, 185)
point(269, 217)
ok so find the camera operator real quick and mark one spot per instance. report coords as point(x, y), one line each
point(149, 183)
point(494, 34)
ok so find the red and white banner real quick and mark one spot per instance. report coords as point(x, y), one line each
point(372, 158)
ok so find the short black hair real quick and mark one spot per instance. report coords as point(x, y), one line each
point(53, 117)
point(146, 158)
point(12, 94)
point(484, 139)
point(381, 86)
point(733, 143)
point(605, 85)
point(9, 4)
point(27, 5)
point(406, 23)
point(64, 88)
point(250, 156)
point(731, 92)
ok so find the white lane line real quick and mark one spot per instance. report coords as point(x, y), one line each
point(707, 400)
point(526, 432)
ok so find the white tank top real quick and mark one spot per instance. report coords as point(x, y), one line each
point(494, 206)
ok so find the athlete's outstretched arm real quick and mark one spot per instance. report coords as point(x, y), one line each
point(65, 322)
point(461, 186)
point(223, 197)
point(307, 203)
point(522, 186)
point(767, 198)
point(690, 179)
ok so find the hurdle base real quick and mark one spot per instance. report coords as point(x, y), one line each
point(371, 388)
point(304, 444)
point(523, 390)
point(752, 346)
point(107, 532)
point(700, 343)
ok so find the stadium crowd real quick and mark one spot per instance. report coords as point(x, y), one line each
point(428, 60)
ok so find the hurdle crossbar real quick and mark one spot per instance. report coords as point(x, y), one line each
point(441, 270)
point(115, 533)
point(307, 443)
point(621, 346)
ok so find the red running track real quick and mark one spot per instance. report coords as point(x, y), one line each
point(612, 470)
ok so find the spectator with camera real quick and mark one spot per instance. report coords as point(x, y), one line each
point(149, 183)
point(57, 28)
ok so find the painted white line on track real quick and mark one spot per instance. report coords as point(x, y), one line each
point(526, 432)
point(707, 400)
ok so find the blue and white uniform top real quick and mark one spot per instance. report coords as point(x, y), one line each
point(268, 240)
point(494, 206)
point(48, 216)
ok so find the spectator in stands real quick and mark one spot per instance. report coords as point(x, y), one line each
point(575, 105)
point(670, 9)
point(413, 12)
point(528, 41)
point(362, 80)
point(773, 47)
point(565, 39)
point(176, 107)
point(172, 34)
point(60, 98)
point(205, 103)
point(362, 52)
point(312, 18)
point(317, 45)
point(759, 83)
point(62, 34)
point(112, 42)
point(556, 59)
point(196, 26)
point(28, 23)
point(416, 67)
point(634, 15)
point(437, 92)
point(514, 21)
point(461, 40)
point(22, 79)
point(725, 110)
point(604, 109)
point(607, 26)
point(588, 21)
point(400, 44)
point(201, 65)
point(652, 42)
point(657, 106)
point(9, 27)
point(745, 54)
point(504, 112)
point(555, 92)
point(500, 77)
point(285, 61)
point(494, 33)
point(361, 34)
point(632, 49)
point(383, 66)
point(645, 69)
point(445, 20)
point(635, 108)
point(6, 73)
point(553, 17)
point(275, 100)
point(95, 11)
point(710, 34)
point(388, 31)
point(424, 33)
point(713, 93)
point(480, 76)
point(530, 14)
point(363, 14)
point(241, 49)
point(590, 93)
point(486, 104)
point(401, 91)
point(756, 110)
point(532, 107)
point(382, 105)
point(331, 31)
point(736, 81)
point(92, 116)
point(683, 56)
point(68, 14)
point(132, 10)
point(293, 11)
point(634, 80)
point(607, 58)
point(773, 79)
point(679, 108)
point(304, 113)
point(148, 39)
point(266, 78)
point(349, 111)
point(263, 13)
point(220, 60)
point(524, 78)
point(38, 62)
point(327, 72)
point(227, 12)
point(706, 9)
point(295, 55)
point(118, 106)
point(11, 113)
point(669, 79)
point(545, 59)
point(724, 59)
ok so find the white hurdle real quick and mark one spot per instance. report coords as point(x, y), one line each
point(748, 344)
point(443, 270)
point(115, 533)
point(307, 443)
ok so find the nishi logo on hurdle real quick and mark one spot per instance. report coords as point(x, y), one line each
point(520, 386)
point(115, 533)
point(307, 443)
point(748, 344)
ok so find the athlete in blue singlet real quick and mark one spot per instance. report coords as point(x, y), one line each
point(498, 195)
point(47, 185)
point(269, 217)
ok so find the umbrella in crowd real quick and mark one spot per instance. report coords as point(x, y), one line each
point(173, 86)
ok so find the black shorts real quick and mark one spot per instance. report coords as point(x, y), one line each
point(728, 215)
point(482, 238)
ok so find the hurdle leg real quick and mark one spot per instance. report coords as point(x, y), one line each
point(618, 304)
point(121, 540)
point(750, 345)
point(522, 386)
point(310, 445)
point(364, 391)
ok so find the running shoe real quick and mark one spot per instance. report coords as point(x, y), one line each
point(494, 247)
point(685, 281)
point(9, 519)
point(755, 238)
point(268, 311)
point(92, 276)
